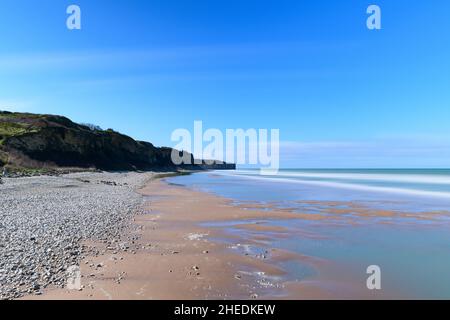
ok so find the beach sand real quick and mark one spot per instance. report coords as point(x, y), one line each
point(175, 256)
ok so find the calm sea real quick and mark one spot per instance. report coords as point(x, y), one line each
point(411, 245)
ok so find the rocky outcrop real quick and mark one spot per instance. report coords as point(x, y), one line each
point(55, 140)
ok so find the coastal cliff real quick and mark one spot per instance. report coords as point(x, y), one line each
point(35, 141)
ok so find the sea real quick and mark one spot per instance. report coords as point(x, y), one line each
point(396, 219)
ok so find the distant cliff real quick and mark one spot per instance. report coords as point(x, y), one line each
point(37, 141)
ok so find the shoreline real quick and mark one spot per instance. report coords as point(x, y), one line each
point(169, 259)
point(175, 255)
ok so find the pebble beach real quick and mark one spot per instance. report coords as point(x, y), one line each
point(44, 221)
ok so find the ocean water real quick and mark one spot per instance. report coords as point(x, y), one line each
point(431, 183)
point(411, 244)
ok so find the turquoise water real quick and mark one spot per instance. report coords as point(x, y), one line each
point(413, 253)
point(433, 183)
point(415, 190)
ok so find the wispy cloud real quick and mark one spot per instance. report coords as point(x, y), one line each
point(404, 152)
point(17, 105)
point(178, 76)
point(133, 57)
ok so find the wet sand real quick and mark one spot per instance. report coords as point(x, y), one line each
point(175, 256)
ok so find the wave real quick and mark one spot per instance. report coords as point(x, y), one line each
point(296, 178)
point(405, 178)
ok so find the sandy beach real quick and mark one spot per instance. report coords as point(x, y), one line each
point(174, 256)
point(177, 242)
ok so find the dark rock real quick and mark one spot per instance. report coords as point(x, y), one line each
point(54, 140)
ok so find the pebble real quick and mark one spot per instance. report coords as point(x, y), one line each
point(45, 219)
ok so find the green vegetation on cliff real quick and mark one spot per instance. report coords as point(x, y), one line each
point(37, 142)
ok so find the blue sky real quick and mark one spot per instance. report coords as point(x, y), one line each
point(341, 95)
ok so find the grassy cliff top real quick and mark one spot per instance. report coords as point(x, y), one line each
point(12, 124)
point(37, 141)
point(16, 124)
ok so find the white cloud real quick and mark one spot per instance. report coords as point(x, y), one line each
point(173, 56)
point(16, 105)
point(399, 152)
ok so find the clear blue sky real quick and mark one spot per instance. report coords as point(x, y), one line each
point(341, 95)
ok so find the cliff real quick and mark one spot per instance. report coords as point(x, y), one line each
point(38, 141)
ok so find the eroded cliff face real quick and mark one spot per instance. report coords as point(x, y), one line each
point(57, 141)
point(78, 148)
